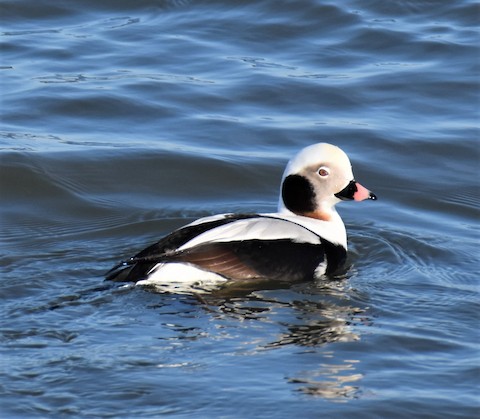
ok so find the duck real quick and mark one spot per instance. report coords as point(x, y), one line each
point(305, 239)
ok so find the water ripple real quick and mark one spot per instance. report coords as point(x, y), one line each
point(122, 121)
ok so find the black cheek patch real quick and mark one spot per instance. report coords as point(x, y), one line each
point(298, 194)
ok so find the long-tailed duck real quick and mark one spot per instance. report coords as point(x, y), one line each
point(305, 239)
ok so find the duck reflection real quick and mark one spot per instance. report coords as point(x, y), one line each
point(310, 317)
point(330, 381)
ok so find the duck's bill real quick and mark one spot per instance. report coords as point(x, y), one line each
point(355, 191)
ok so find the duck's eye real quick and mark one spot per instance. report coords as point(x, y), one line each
point(323, 172)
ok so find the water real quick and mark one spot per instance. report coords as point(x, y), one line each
point(122, 121)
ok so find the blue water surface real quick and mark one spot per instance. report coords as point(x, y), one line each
point(123, 120)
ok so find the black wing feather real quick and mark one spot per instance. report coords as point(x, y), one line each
point(136, 268)
point(250, 259)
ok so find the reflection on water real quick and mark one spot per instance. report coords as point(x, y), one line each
point(330, 381)
point(304, 317)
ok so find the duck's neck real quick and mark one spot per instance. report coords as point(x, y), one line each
point(330, 228)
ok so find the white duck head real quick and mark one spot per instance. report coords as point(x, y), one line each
point(316, 179)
